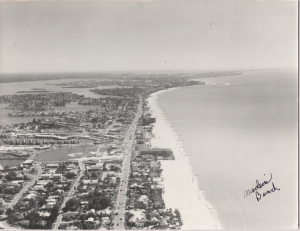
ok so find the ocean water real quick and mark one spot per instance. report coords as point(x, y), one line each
point(238, 130)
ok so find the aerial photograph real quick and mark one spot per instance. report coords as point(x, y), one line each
point(149, 115)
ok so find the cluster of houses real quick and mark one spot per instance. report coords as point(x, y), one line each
point(96, 192)
point(88, 83)
point(12, 181)
point(39, 102)
point(146, 86)
point(143, 80)
point(96, 195)
point(122, 92)
point(47, 192)
point(145, 205)
point(159, 219)
point(115, 114)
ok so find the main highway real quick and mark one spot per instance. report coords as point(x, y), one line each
point(128, 143)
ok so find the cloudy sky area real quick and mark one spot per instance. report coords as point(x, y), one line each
point(128, 36)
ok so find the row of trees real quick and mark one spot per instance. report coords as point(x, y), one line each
point(35, 220)
point(94, 202)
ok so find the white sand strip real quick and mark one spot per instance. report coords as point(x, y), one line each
point(181, 188)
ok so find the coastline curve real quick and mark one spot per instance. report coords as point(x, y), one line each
point(196, 211)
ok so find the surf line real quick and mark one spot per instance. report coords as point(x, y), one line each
point(259, 186)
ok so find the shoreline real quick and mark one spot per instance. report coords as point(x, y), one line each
point(181, 187)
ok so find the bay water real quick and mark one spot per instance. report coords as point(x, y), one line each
point(14, 87)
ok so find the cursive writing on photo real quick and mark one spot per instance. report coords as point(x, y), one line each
point(259, 185)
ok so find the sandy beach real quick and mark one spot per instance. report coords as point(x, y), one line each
point(181, 188)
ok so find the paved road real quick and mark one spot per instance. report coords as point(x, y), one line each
point(24, 189)
point(70, 194)
point(121, 202)
point(3, 224)
point(109, 127)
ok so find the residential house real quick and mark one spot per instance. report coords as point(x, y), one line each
point(57, 176)
point(38, 187)
point(46, 176)
point(154, 219)
point(105, 220)
point(163, 222)
point(91, 219)
point(141, 222)
point(51, 166)
point(90, 182)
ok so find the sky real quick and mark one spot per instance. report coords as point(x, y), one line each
point(95, 36)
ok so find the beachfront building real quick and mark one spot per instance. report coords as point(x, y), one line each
point(157, 153)
point(144, 121)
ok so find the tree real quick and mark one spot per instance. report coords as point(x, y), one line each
point(131, 223)
point(73, 202)
point(31, 224)
point(32, 215)
point(128, 215)
point(91, 194)
point(105, 202)
point(147, 223)
point(70, 175)
point(9, 211)
point(32, 203)
point(49, 224)
point(41, 201)
point(54, 213)
point(11, 176)
point(87, 226)
point(95, 175)
point(82, 217)
point(177, 214)
point(114, 168)
point(91, 214)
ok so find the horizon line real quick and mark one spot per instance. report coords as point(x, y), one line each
point(134, 71)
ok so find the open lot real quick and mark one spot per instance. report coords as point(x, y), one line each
point(66, 153)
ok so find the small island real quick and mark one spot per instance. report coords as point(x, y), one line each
point(40, 91)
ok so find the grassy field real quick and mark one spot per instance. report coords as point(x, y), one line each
point(64, 153)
